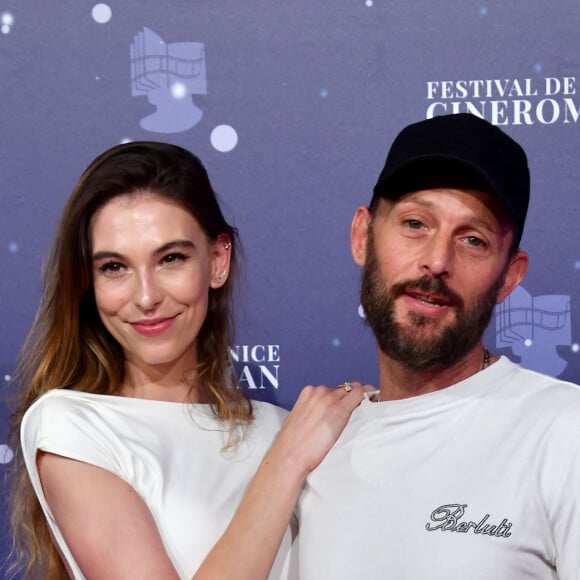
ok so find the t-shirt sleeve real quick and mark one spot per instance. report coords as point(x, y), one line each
point(66, 425)
point(69, 427)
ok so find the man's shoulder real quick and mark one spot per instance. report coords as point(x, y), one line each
point(530, 381)
point(540, 400)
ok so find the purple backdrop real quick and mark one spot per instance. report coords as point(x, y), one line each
point(292, 107)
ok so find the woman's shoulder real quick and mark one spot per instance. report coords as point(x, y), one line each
point(56, 410)
point(268, 414)
point(73, 424)
point(68, 412)
point(53, 402)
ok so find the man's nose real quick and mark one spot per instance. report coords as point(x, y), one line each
point(438, 256)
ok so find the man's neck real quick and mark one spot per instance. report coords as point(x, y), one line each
point(398, 382)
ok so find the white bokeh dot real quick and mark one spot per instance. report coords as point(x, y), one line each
point(538, 67)
point(101, 13)
point(6, 454)
point(577, 265)
point(336, 342)
point(575, 347)
point(7, 378)
point(368, 3)
point(7, 19)
point(361, 312)
point(528, 342)
point(224, 138)
point(5, 29)
point(179, 90)
point(324, 93)
point(483, 11)
point(13, 247)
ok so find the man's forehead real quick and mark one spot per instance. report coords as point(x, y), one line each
point(438, 197)
point(434, 195)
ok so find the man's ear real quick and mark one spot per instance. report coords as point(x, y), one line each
point(515, 273)
point(359, 231)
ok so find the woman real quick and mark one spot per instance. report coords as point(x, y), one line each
point(136, 446)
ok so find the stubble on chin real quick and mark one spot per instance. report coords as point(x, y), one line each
point(420, 342)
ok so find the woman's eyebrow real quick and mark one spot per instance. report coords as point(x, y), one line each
point(183, 244)
point(107, 255)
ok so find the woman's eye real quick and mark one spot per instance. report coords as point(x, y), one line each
point(174, 257)
point(111, 268)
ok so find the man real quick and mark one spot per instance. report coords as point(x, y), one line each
point(463, 465)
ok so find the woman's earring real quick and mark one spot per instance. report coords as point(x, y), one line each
point(219, 277)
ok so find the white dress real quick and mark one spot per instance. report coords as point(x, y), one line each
point(170, 453)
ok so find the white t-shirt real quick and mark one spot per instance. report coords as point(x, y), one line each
point(477, 481)
point(170, 453)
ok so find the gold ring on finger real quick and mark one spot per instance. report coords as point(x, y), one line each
point(346, 387)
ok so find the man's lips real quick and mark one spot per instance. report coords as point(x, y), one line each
point(428, 295)
point(152, 326)
point(433, 299)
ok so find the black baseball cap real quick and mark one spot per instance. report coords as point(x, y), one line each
point(463, 151)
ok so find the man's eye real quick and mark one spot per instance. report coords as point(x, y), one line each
point(475, 241)
point(414, 224)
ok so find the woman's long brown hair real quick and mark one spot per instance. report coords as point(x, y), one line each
point(69, 347)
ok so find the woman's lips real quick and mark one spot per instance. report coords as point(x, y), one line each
point(152, 327)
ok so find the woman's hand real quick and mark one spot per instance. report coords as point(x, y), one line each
point(310, 430)
point(316, 421)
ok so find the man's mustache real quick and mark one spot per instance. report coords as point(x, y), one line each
point(428, 284)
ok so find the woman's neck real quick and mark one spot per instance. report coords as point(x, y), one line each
point(168, 382)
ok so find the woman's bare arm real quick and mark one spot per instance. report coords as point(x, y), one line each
point(107, 526)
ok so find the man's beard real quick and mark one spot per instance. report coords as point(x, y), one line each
point(403, 343)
